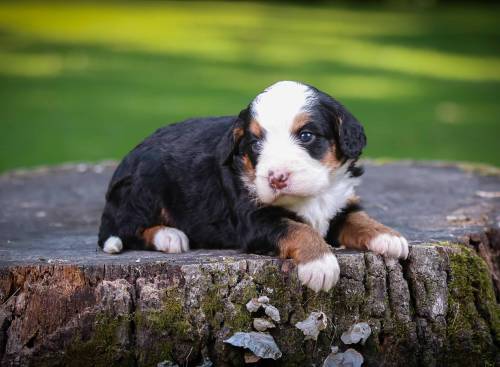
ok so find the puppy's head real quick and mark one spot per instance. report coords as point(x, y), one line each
point(291, 140)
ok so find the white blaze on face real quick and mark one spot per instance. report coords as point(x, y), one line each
point(275, 110)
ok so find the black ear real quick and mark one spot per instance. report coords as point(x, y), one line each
point(229, 144)
point(351, 135)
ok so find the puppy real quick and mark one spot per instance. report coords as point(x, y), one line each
point(277, 179)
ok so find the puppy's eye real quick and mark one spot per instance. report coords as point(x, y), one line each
point(306, 137)
point(256, 146)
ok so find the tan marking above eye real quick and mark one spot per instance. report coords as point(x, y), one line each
point(255, 128)
point(248, 167)
point(238, 133)
point(300, 121)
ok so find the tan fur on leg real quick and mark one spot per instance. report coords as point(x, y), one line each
point(361, 232)
point(317, 266)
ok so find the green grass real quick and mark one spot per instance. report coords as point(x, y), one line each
point(87, 81)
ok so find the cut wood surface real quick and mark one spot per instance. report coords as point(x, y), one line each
point(65, 302)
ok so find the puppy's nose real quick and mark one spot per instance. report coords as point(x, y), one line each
point(278, 180)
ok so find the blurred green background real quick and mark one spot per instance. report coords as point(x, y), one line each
point(88, 81)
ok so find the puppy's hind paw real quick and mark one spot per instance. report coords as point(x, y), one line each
point(113, 245)
point(171, 241)
point(390, 245)
point(320, 274)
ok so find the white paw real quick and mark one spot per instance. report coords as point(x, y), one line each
point(389, 245)
point(320, 274)
point(171, 241)
point(113, 245)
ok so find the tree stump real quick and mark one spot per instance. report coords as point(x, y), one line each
point(65, 302)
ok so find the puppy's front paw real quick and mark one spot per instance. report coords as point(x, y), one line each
point(392, 245)
point(320, 274)
point(170, 240)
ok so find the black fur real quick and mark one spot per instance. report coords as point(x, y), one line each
point(192, 170)
point(349, 133)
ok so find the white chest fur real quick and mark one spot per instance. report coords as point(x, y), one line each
point(320, 209)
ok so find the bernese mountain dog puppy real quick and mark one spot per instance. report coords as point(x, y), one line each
point(277, 179)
